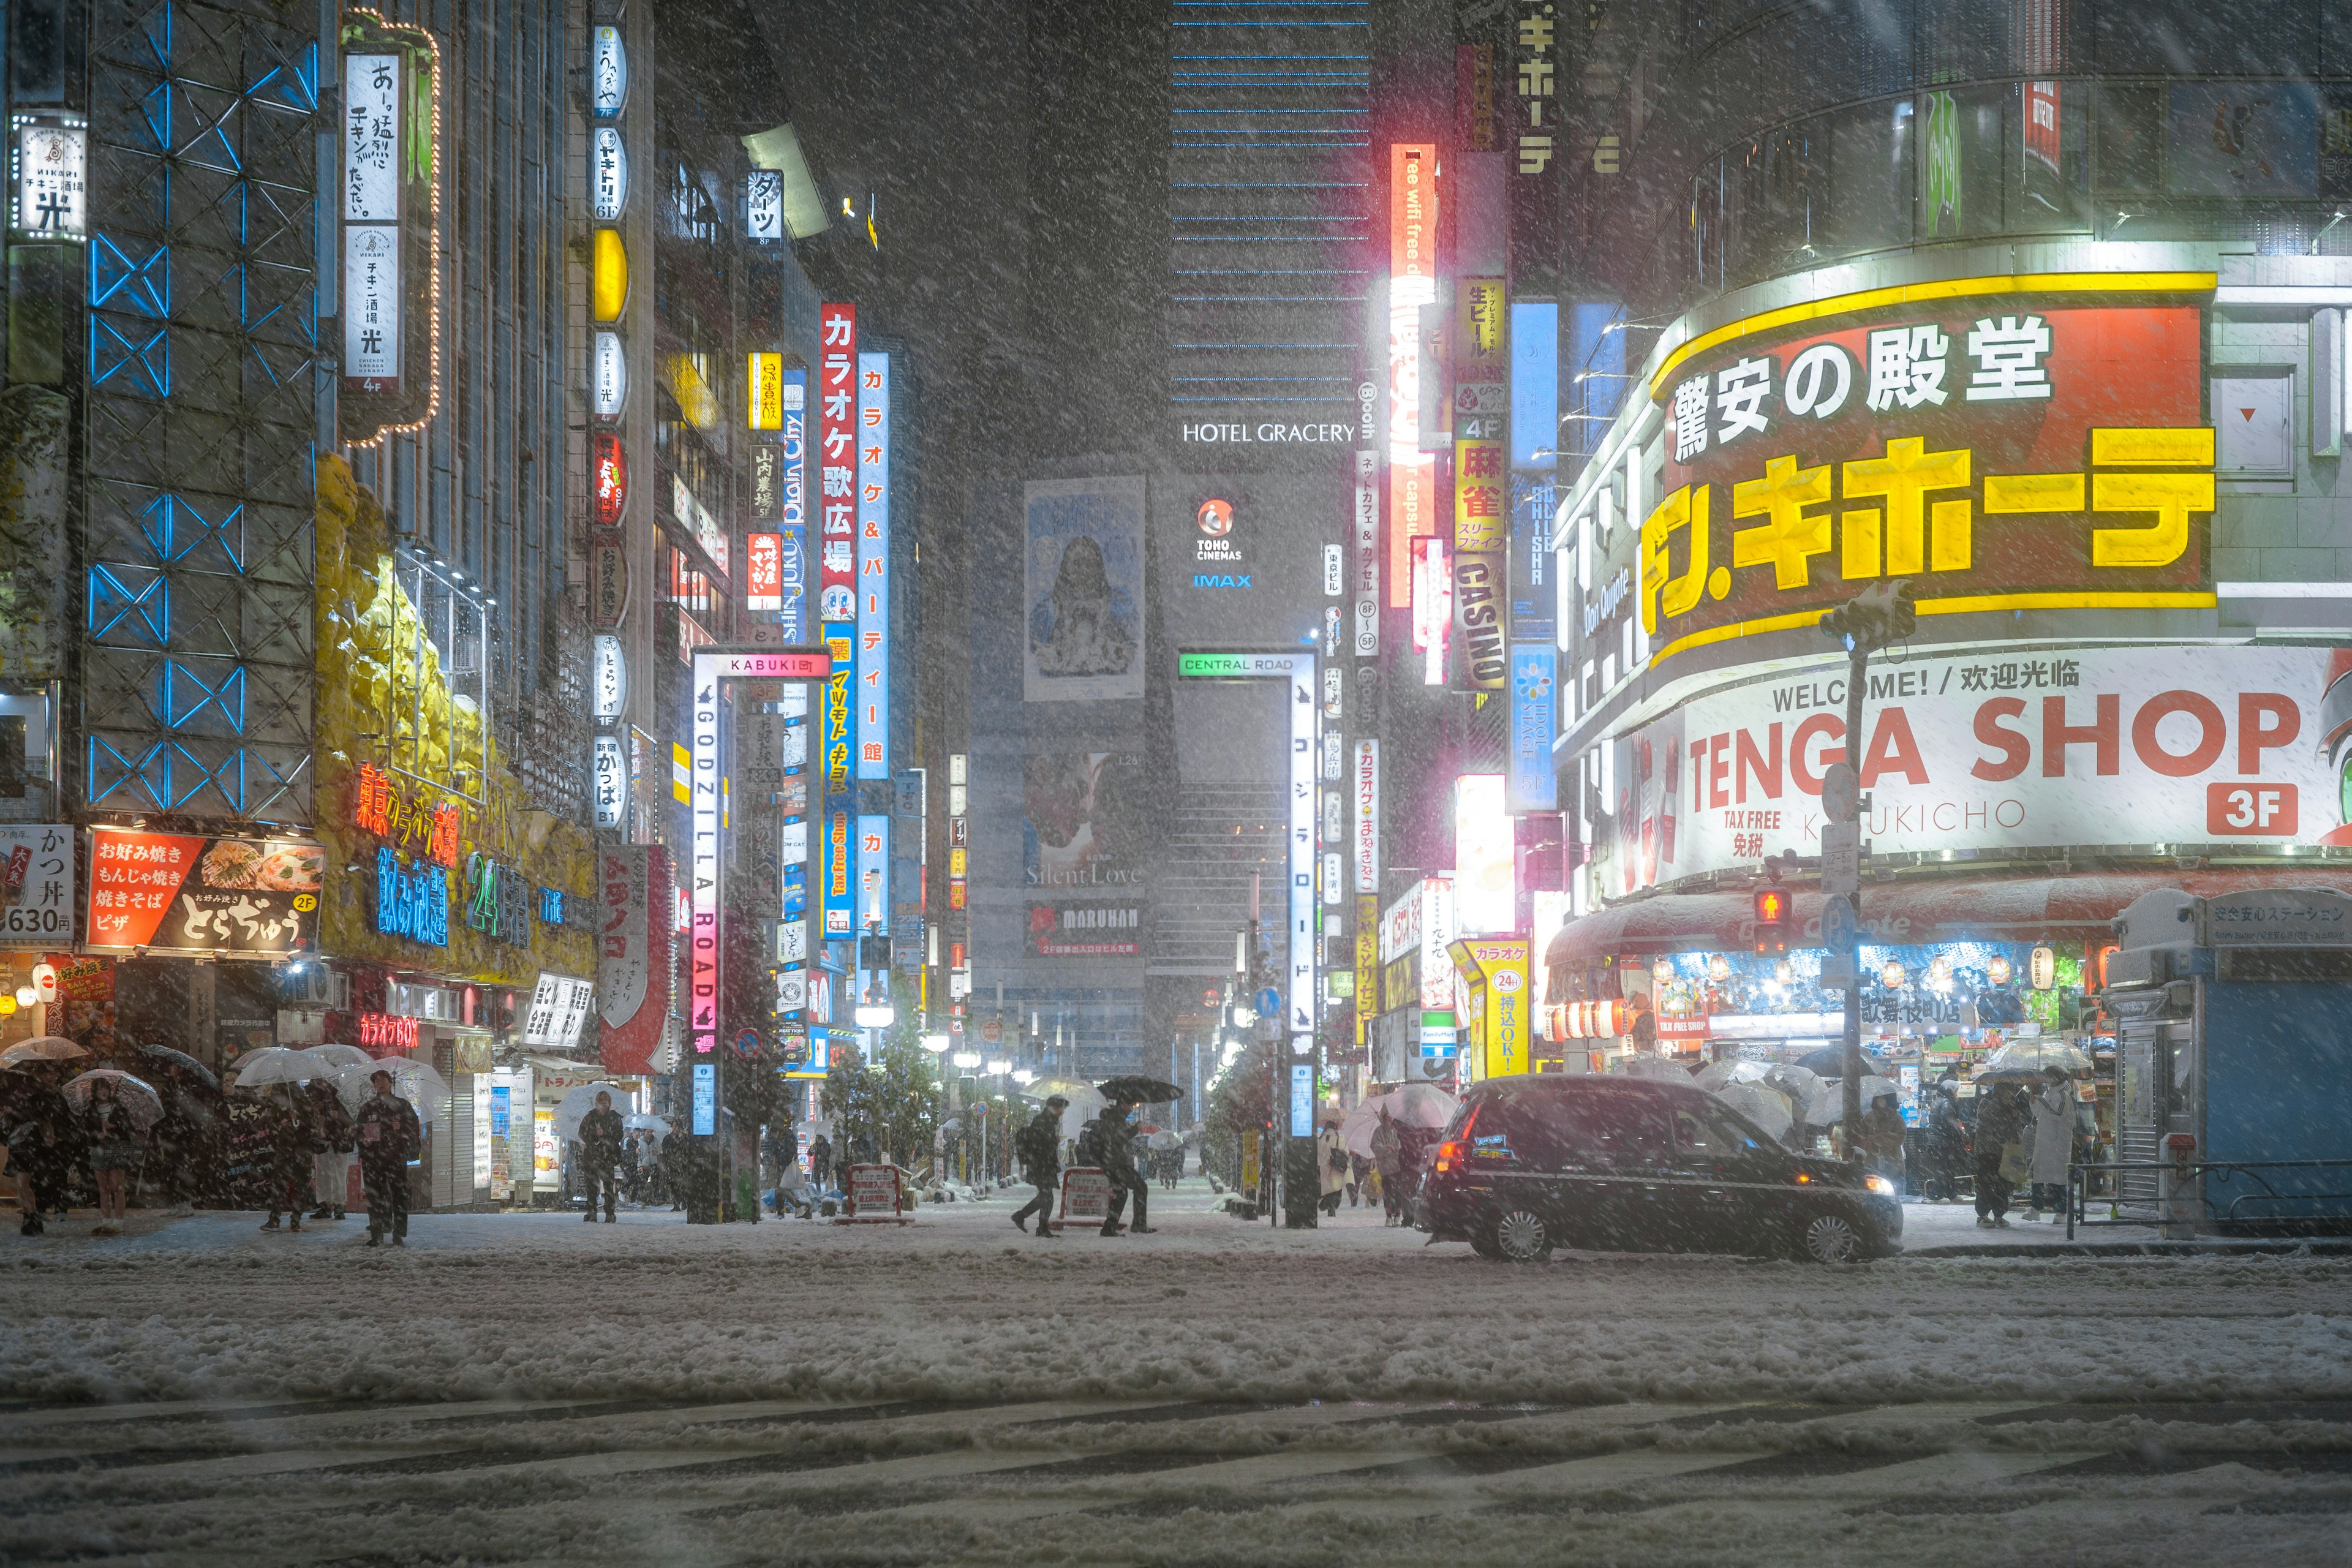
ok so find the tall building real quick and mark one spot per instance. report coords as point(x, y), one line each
point(2038, 309)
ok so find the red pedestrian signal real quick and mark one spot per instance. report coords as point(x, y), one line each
point(1771, 920)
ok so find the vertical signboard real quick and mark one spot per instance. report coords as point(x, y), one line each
point(1484, 862)
point(1412, 285)
point(1368, 816)
point(872, 570)
point(793, 620)
point(702, 963)
point(371, 201)
point(1535, 682)
point(838, 858)
point(1367, 575)
point(634, 958)
point(874, 872)
point(1303, 721)
point(1367, 963)
point(837, 461)
point(390, 215)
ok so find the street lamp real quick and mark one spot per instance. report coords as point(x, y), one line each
point(1023, 1076)
point(999, 1067)
point(965, 1060)
point(935, 1044)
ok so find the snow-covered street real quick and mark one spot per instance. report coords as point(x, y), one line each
point(516, 1388)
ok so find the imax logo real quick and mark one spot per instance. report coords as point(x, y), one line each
point(1221, 579)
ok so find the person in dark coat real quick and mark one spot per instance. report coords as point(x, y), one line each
point(293, 1139)
point(1039, 1144)
point(1119, 1164)
point(821, 1161)
point(1945, 1151)
point(600, 1152)
point(389, 1136)
point(2000, 1121)
point(42, 1139)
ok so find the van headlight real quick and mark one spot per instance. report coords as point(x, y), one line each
point(1879, 1185)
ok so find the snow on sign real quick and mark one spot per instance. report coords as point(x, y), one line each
point(52, 190)
point(558, 1007)
point(764, 205)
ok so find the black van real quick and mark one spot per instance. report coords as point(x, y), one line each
point(1624, 1164)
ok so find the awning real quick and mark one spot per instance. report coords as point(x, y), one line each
point(1927, 909)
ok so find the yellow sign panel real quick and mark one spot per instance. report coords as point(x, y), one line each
point(1498, 1040)
point(608, 286)
point(1368, 962)
point(1479, 503)
point(764, 392)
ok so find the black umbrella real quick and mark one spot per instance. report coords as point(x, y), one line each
point(24, 1098)
point(166, 1057)
point(1830, 1062)
point(1140, 1090)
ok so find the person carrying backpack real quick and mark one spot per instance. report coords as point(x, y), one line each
point(1039, 1145)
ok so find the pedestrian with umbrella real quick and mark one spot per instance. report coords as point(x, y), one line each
point(1330, 1168)
point(389, 1136)
point(331, 1167)
point(1039, 1145)
point(1387, 1159)
point(293, 1142)
point(115, 1113)
point(1112, 1138)
point(43, 1138)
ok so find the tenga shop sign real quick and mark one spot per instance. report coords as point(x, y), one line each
point(1985, 753)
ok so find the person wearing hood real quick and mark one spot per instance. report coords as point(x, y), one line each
point(2000, 1123)
point(389, 1136)
point(1039, 1144)
point(1387, 1159)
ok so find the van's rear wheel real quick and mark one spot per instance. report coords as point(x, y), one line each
point(1517, 1235)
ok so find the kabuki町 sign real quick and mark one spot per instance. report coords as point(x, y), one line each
point(1983, 752)
point(2018, 453)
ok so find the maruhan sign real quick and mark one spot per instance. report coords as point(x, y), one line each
point(1269, 434)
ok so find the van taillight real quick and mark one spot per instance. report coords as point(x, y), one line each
point(1447, 1154)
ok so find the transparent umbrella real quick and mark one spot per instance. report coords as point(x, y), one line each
point(411, 1080)
point(41, 1048)
point(138, 1097)
point(1766, 1108)
point(1415, 1105)
point(580, 1102)
point(641, 1123)
point(1827, 1107)
point(276, 1064)
point(2033, 1056)
point(332, 1055)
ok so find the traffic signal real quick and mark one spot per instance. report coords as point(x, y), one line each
point(1882, 613)
point(1771, 920)
point(873, 953)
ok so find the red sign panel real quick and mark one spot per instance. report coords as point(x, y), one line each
point(383, 1034)
point(610, 478)
point(763, 572)
point(177, 893)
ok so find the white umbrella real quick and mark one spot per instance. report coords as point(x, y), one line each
point(1827, 1107)
point(1164, 1140)
point(580, 1102)
point(1766, 1108)
point(1086, 1103)
point(41, 1048)
point(138, 1097)
point(276, 1064)
point(331, 1056)
point(1414, 1104)
point(2033, 1056)
point(642, 1122)
point(411, 1080)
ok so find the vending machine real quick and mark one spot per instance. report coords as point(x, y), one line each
point(2234, 1060)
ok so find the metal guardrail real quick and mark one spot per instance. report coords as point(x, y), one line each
point(2076, 1194)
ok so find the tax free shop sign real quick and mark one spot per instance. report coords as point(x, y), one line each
point(1985, 753)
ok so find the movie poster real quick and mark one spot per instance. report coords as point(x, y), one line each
point(1082, 820)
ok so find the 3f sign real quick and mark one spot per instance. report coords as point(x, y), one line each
point(2251, 811)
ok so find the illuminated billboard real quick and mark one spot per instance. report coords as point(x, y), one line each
point(1413, 284)
point(2002, 449)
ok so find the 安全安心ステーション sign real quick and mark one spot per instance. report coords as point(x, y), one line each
point(2015, 452)
point(1995, 751)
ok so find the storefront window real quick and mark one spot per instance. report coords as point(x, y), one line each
point(1870, 193)
point(1960, 163)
